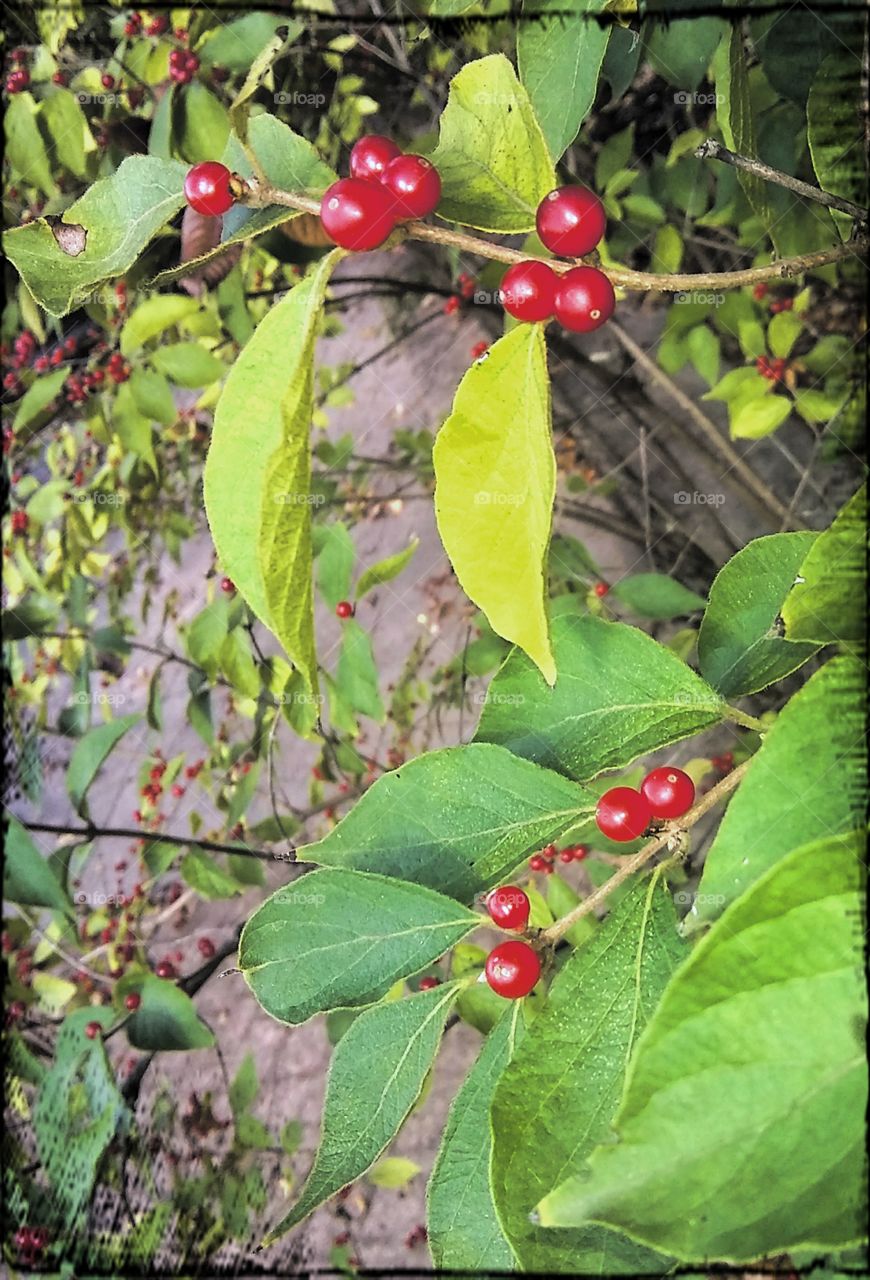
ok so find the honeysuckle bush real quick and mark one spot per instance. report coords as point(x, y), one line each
point(685, 1085)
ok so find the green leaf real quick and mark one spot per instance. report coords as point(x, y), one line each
point(703, 348)
point(357, 676)
point(464, 1231)
point(257, 474)
point(153, 396)
point(166, 1018)
point(759, 417)
point(207, 633)
point(783, 332)
point(132, 428)
point(619, 695)
point(393, 1172)
point(159, 312)
point(458, 820)
point(243, 1087)
point(187, 364)
point(38, 396)
point(65, 121)
point(202, 873)
point(118, 214)
point(736, 119)
point(826, 602)
point(201, 123)
point(681, 50)
point(740, 1134)
point(25, 149)
point(495, 484)
point(655, 595)
point(559, 60)
point(27, 876)
point(807, 780)
point(834, 132)
point(289, 162)
point(237, 663)
point(739, 649)
point(667, 250)
point(335, 554)
point(89, 755)
point(556, 1099)
point(340, 939)
point(817, 406)
point(385, 1055)
point(234, 45)
point(385, 570)
point(492, 158)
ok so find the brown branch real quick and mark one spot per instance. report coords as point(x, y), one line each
point(259, 195)
point(643, 856)
point(710, 149)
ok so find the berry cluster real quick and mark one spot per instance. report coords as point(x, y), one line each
point(570, 222)
point(183, 66)
point(773, 370)
point(207, 188)
point(624, 814)
point(385, 187)
point(31, 1243)
point(18, 78)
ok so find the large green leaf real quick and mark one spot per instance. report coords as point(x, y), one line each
point(166, 1018)
point(39, 395)
point(656, 595)
point(739, 648)
point(464, 1231)
point(159, 312)
point(495, 484)
point(827, 601)
point(258, 469)
point(492, 158)
point(736, 119)
point(559, 59)
point(89, 755)
point(681, 50)
point(834, 132)
point(27, 877)
point(619, 695)
point(741, 1132)
point(117, 217)
point(68, 129)
point(458, 820)
point(556, 1099)
point(288, 161)
point(357, 675)
point(808, 779)
point(337, 939)
point(378, 1069)
point(25, 148)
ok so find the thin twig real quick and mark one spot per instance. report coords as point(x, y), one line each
point(710, 149)
point(643, 856)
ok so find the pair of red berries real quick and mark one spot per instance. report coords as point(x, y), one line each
point(183, 66)
point(773, 370)
point(385, 187)
point(570, 222)
point(512, 968)
point(624, 814)
point(18, 80)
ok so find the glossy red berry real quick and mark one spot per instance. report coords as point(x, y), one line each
point(371, 155)
point(428, 984)
point(132, 1001)
point(571, 221)
point(760, 291)
point(59, 77)
point(452, 304)
point(537, 863)
point(20, 521)
point(669, 792)
point(479, 349)
point(509, 907)
point(166, 969)
point(92, 1030)
point(227, 585)
point(512, 969)
point(207, 188)
point(107, 81)
point(601, 589)
point(584, 299)
point(414, 184)
point(344, 609)
point(528, 291)
point(357, 214)
point(548, 853)
point(623, 814)
point(205, 947)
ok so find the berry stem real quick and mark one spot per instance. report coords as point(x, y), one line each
point(261, 194)
point(628, 866)
point(745, 720)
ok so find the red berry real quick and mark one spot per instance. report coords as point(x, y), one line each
point(571, 221)
point(357, 214)
point(414, 184)
point(227, 585)
point(207, 188)
point(584, 299)
point(512, 969)
point(601, 589)
point(107, 81)
point(786, 304)
point(427, 984)
point(371, 155)
point(166, 969)
point(452, 304)
point(548, 853)
point(344, 609)
point(132, 1001)
point(528, 291)
point(20, 521)
point(59, 77)
point(623, 814)
point(537, 863)
point(509, 907)
point(670, 792)
point(760, 291)
point(478, 350)
point(177, 790)
point(92, 1030)
point(157, 25)
point(205, 947)
point(567, 855)
point(580, 851)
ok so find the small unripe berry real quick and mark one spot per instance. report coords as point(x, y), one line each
point(528, 291)
point(512, 969)
point(571, 221)
point(623, 814)
point(509, 907)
